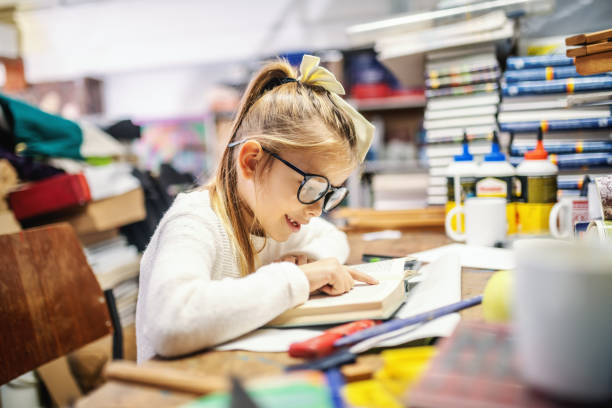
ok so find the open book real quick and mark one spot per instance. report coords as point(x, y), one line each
point(362, 302)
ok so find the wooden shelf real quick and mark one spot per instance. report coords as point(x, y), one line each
point(388, 103)
point(369, 218)
point(393, 166)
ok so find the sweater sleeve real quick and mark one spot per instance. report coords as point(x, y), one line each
point(188, 311)
point(319, 239)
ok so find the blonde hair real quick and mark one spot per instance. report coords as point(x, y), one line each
point(280, 116)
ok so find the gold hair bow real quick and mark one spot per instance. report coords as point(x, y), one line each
point(312, 74)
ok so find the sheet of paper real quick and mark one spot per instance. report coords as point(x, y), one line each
point(269, 340)
point(440, 286)
point(472, 256)
point(388, 274)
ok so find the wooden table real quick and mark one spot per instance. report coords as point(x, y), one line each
point(250, 364)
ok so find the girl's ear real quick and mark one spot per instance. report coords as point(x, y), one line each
point(249, 156)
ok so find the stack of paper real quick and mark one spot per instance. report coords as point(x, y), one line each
point(116, 266)
point(462, 96)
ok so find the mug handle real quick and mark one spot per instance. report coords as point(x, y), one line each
point(552, 222)
point(454, 235)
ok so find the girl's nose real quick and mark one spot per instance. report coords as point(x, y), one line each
point(315, 209)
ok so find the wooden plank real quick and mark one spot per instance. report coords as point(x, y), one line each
point(164, 377)
point(50, 300)
point(368, 218)
point(589, 49)
point(589, 38)
point(594, 64)
point(576, 52)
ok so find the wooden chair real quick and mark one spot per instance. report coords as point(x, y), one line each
point(50, 300)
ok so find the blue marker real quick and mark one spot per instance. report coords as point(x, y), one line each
point(395, 324)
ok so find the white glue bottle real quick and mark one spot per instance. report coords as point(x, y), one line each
point(536, 193)
point(462, 173)
point(495, 178)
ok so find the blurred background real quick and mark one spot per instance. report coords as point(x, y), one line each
point(110, 108)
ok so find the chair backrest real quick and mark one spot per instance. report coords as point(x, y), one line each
point(50, 300)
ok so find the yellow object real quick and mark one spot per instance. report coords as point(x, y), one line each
point(497, 297)
point(533, 217)
point(311, 73)
point(371, 394)
point(449, 206)
point(401, 368)
point(511, 217)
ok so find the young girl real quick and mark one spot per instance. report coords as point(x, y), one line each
point(228, 258)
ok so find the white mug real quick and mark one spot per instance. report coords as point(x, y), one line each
point(595, 208)
point(562, 322)
point(485, 221)
point(566, 213)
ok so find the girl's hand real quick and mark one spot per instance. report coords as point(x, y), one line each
point(296, 259)
point(333, 278)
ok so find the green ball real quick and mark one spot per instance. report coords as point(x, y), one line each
point(497, 297)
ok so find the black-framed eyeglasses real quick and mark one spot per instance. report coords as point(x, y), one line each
point(313, 187)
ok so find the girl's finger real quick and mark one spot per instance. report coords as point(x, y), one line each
point(330, 290)
point(363, 277)
point(289, 258)
point(301, 260)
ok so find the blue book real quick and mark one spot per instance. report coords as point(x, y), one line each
point(574, 161)
point(569, 184)
point(539, 61)
point(567, 85)
point(548, 125)
point(588, 146)
point(543, 74)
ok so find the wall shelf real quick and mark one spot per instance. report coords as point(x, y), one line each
point(389, 103)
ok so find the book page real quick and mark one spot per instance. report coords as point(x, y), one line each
point(383, 270)
point(388, 273)
point(362, 293)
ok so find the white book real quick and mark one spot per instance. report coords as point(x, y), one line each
point(554, 114)
point(471, 121)
point(480, 29)
point(444, 161)
point(437, 171)
point(452, 149)
point(527, 102)
point(462, 101)
point(436, 200)
point(461, 112)
point(455, 53)
point(362, 302)
point(484, 59)
point(432, 135)
point(436, 190)
point(437, 181)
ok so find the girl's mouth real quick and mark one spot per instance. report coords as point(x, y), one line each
point(294, 225)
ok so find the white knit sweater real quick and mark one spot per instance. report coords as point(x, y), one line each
point(191, 294)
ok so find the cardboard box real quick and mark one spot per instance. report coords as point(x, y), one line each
point(109, 213)
point(8, 223)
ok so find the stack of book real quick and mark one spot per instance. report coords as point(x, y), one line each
point(116, 266)
point(462, 96)
point(572, 110)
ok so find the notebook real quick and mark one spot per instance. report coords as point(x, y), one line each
point(362, 302)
